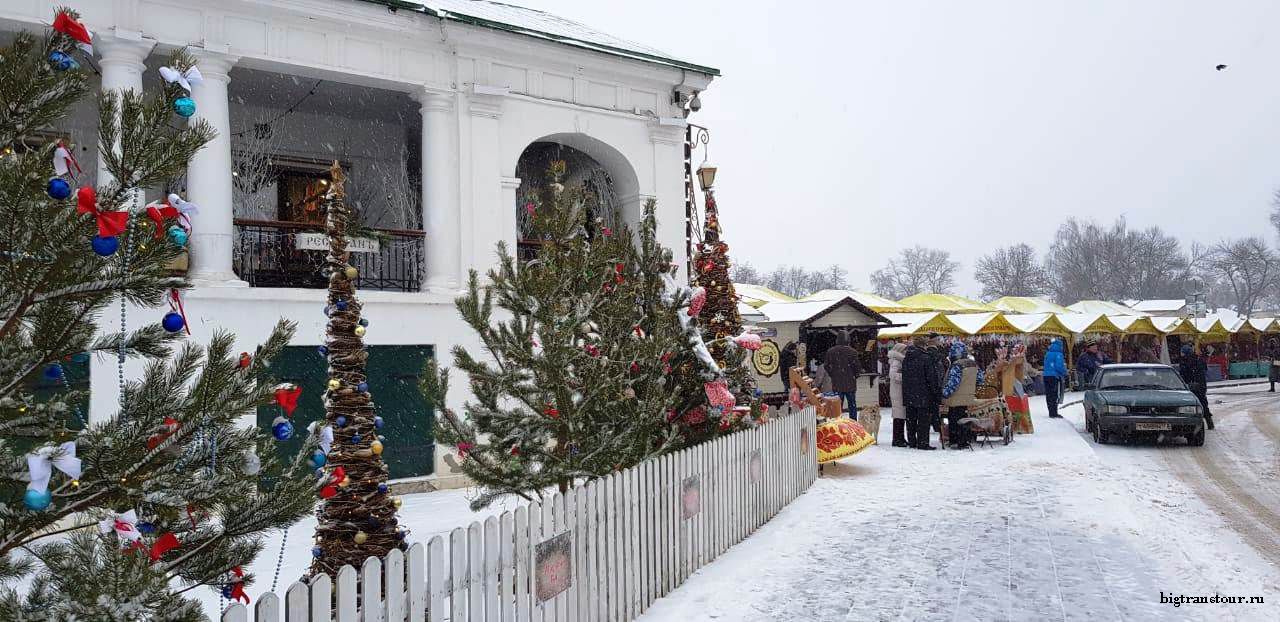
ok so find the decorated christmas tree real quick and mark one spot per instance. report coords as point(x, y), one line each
point(580, 383)
point(116, 519)
point(358, 515)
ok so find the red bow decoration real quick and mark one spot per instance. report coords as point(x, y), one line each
point(335, 478)
point(68, 25)
point(169, 426)
point(551, 411)
point(110, 224)
point(245, 360)
point(237, 586)
point(160, 212)
point(165, 543)
point(287, 398)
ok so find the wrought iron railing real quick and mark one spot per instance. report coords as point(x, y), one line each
point(267, 254)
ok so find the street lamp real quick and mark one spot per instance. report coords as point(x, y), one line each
point(707, 175)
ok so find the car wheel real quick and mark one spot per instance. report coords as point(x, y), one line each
point(1088, 423)
point(1099, 436)
point(1197, 439)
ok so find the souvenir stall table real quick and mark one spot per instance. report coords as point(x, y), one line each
point(1212, 344)
point(1250, 337)
point(836, 437)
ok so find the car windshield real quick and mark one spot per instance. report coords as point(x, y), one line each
point(1140, 378)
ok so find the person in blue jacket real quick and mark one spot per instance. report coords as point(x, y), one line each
point(1055, 376)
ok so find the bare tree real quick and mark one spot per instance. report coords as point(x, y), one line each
point(743, 272)
point(793, 280)
point(1089, 261)
point(1249, 268)
point(916, 270)
point(1275, 211)
point(1011, 271)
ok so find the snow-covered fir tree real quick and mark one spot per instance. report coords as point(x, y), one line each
point(119, 519)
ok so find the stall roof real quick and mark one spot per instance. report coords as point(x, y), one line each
point(1085, 323)
point(875, 302)
point(920, 324)
point(1039, 324)
point(1104, 307)
point(809, 310)
point(749, 313)
point(757, 295)
point(1211, 327)
point(990, 323)
point(1027, 304)
point(1173, 326)
point(1159, 306)
point(946, 302)
point(1265, 324)
point(1135, 325)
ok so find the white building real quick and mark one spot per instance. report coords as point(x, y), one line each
point(438, 110)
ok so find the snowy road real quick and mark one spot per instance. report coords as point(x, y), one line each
point(1052, 527)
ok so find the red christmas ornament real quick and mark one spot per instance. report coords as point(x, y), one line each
point(463, 449)
point(635, 367)
point(551, 411)
point(592, 350)
point(245, 360)
point(167, 429)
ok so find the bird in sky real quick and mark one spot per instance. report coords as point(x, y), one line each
point(1220, 67)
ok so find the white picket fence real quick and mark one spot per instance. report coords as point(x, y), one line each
point(608, 549)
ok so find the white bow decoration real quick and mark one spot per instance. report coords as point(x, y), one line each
point(183, 207)
point(125, 525)
point(185, 79)
point(63, 161)
point(42, 462)
point(325, 434)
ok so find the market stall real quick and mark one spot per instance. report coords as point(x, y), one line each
point(1212, 343)
point(949, 303)
point(812, 325)
point(1139, 341)
point(876, 303)
point(759, 295)
point(907, 325)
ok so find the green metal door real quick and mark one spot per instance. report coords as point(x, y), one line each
point(408, 420)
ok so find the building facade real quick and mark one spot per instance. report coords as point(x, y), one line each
point(434, 109)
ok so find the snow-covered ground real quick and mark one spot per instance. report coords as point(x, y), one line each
point(1051, 527)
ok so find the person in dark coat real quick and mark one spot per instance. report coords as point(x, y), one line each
point(921, 391)
point(1055, 376)
point(786, 360)
point(1088, 363)
point(1273, 362)
point(1193, 368)
point(942, 362)
point(842, 366)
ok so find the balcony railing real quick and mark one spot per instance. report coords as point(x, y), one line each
point(270, 253)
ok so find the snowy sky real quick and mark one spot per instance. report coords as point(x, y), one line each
point(847, 130)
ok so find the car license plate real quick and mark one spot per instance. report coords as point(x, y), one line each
point(1152, 427)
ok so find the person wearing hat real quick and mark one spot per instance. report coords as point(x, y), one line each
point(1193, 369)
point(1089, 362)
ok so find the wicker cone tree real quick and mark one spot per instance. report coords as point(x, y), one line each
point(357, 519)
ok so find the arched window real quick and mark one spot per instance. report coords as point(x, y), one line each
point(581, 172)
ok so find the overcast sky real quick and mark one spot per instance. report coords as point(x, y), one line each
point(845, 131)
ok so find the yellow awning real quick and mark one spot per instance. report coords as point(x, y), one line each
point(946, 302)
point(1211, 329)
point(758, 295)
point(992, 323)
point(1173, 326)
point(1088, 323)
point(919, 324)
point(1027, 305)
point(1265, 324)
point(1134, 325)
point(1039, 324)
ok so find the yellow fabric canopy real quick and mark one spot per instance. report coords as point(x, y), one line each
point(1027, 304)
point(1088, 323)
point(1134, 325)
point(1265, 324)
point(1173, 326)
point(1211, 329)
point(946, 302)
point(919, 324)
point(759, 295)
point(1039, 324)
point(991, 323)
point(876, 303)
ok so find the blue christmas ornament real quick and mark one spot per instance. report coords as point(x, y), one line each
point(377, 422)
point(318, 459)
point(355, 438)
point(105, 246)
point(173, 321)
point(317, 551)
point(59, 188)
point(364, 322)
point(62, 62)
point(341, 305)
point(184, 106)
point(177, 235)
point(341, 421)
point(81, 357)
point(226, 591)
point(363, 387)
point(53, 371)
point(37, 500)
point(324, 351)
point(282, 430)
point(382, 488)
point(327, 310)
point(146, 528)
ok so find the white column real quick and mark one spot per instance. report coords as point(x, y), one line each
point(667, 138)
point(122, 57)
point(440, 208)
point(209, 176)
point(490, 218)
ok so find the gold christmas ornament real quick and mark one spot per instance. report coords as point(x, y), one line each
point(360, 537)
point(376, 447)
point(359, 331)
point(351, 272)
point(397, 502)
point(334, 383)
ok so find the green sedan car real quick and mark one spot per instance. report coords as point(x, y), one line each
point(1141, 400)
